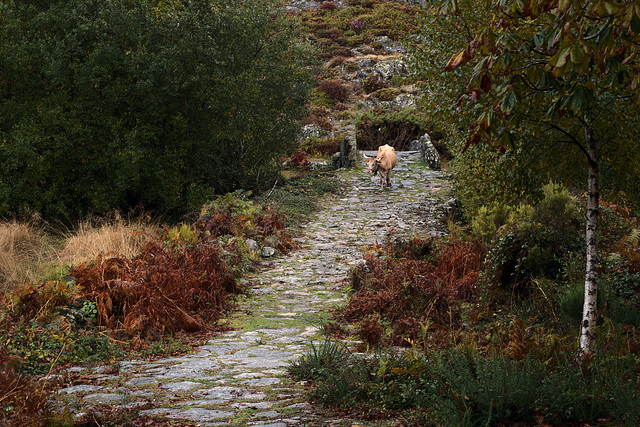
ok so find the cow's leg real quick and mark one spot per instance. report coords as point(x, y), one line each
point(389, 179)
point(381, 181)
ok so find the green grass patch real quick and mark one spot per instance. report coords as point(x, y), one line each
point(299, 198)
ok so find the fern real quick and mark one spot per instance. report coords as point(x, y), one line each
point(633, 238)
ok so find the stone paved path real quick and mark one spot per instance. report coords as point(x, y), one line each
point(240, 378)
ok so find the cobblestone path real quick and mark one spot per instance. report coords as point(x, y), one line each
point(240, 378)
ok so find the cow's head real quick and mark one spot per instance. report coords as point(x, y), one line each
point(372, 164)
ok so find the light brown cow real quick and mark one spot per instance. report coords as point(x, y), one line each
point(383, 163)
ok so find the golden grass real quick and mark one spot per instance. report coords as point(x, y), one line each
point(115, 237)
point(23, 252)
point(30, 251)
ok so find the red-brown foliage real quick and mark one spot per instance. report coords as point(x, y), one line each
point(334, 89)
point(328, 5)
point(161, 290)
point(22, 402)
point(299, 160)
point(373, 83)
point(331, 34)
point(407, 290)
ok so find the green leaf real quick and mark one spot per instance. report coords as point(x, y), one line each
point(611, 8)
point(509, 101)
point(506, 140)
point(539, 39)
point(578, 99)
point(577, 54)
point(560, 58)
point(635, 24)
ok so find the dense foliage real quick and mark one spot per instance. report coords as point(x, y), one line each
point(119, 103)
point(482, 93)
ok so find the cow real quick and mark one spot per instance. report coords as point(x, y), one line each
point(383, 163)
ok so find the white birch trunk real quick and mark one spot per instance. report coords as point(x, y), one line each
point(589, 311)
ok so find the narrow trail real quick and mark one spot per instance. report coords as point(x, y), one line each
point(239, 378)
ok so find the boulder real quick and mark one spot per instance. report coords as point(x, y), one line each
point(390, 46)
point(308, 131)
point(268, 252)
point(392, 67)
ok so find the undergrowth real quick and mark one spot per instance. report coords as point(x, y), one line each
point(484, 323)
point(177, 280)
point(298, 198)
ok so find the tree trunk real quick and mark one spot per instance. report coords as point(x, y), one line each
point(589, 311)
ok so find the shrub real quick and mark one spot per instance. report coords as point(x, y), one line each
point(23, 401)
point(485, 391)
point(416, 285)
point(234, 215)
point(335, 89)
point(355, 41)
point(463, 387)
point(337, 61)
point(373, 83)
point(356, 25)
point(530, 241)
point(319, 113)
point(297, 199)
point(322, 146)
point(162, 290)
point(351, 67)
point(320, 361)
point(299, 160)
point(387, 94)
point(485, 224)
point(332, 34)
point(328, 6)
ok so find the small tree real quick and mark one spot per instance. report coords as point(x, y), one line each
point(564, 68)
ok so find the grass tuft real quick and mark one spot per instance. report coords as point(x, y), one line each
point(25, 252)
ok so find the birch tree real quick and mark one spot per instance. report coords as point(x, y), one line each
point(568, 69)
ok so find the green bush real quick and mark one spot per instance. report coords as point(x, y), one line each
point(119, 103)
point(321, 361)
point(530, 241)
point(322, 99)
point(483, 391)
point(463, 387)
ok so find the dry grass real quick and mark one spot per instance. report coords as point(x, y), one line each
point(114, 237)
point(31, 250)
point(24, 252)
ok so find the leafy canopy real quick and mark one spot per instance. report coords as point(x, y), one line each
point(121, 103)
point(570, 57)
point(523, 74)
